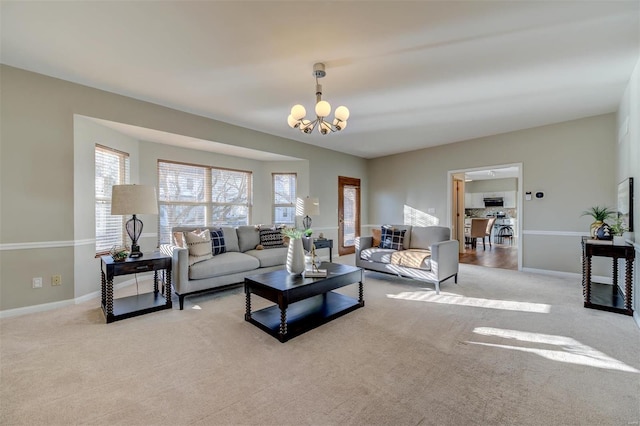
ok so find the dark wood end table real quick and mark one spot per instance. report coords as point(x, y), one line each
point(320, 243)
point(302, 304)
point(604, 296)
point(131, 306)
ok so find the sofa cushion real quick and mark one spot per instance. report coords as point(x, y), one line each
point(218, 245)
point(413, 258)
point(273, 257)
point(392, 238)
point(230, 238)
point(199, 245)
point(271, 238)
point(223, 264)
point(376, 254)
point(248, 237)
point(422, 237)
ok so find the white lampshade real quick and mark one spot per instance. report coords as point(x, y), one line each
point(323, 108)
point(324, 127)
point(311, 206)
point(133, 199)
point(342, 113)
point(298, 112)
point(305, 126)
point(293, 123)
point(340, 125)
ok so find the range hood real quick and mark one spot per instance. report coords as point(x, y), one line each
point(494, 202)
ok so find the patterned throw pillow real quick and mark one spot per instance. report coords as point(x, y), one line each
point(392, 238)
point(199, 245)
point(271, 238)
point(217, 242)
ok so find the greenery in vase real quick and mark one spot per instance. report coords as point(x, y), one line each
point(292, 233)
point(599, 213)
point(619, 227)
point(308, 232)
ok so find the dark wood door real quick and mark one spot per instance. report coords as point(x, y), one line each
point(348, 214)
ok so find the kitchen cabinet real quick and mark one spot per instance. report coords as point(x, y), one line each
point(510, 199)
point(474, 200)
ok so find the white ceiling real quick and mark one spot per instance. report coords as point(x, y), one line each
point(414, 74)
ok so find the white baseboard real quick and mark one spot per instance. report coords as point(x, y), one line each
point(602, 280)
point(8, 313)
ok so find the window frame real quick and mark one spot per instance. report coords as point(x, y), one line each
point(124, 165)
point(275, 205)
point(209, 204)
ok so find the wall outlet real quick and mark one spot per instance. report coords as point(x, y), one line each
point(36, 282)
point(56, 279)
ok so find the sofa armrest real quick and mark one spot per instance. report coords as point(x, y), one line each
point(179, 264)
point(361, 244)
point(444, 259)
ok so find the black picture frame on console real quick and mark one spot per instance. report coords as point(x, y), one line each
point(625, 202)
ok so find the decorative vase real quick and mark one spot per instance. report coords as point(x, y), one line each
point(295, 257)
point(618, 240)
point(594, 228)
point(604, 232)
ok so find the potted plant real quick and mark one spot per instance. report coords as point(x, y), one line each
point(618, 229)
point(599, 214)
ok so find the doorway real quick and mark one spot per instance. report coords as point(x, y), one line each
point(348, 214)
point(488, 192)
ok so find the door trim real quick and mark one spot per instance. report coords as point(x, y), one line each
point(519, 199)
point(342, 182)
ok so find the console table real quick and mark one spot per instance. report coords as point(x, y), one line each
point(603, 296)
point(319, 243)
point(139, 304)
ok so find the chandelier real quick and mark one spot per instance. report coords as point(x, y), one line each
point(296, 119)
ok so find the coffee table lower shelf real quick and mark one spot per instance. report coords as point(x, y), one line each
point(304, 315)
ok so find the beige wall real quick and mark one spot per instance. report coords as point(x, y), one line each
point(573, 163)
point(45, 227)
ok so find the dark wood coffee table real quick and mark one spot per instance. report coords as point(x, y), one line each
point(302, 303)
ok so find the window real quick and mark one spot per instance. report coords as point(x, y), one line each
point(190, 194)
point(112, 168)
point(284, 198)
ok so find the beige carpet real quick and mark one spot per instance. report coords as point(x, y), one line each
point(501, 347)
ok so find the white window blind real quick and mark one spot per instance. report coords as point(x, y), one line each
point(284, 198)
point(112, 168)
point(195, 195)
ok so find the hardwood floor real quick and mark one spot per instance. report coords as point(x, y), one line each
point(503, 256)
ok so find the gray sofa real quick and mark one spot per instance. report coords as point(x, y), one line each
point(223, 270)
point(428, 254)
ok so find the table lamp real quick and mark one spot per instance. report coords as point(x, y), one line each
point(311, 207)
point(134, 199)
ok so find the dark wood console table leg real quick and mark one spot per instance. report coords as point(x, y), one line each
point(587, 274)
point(627, 286)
